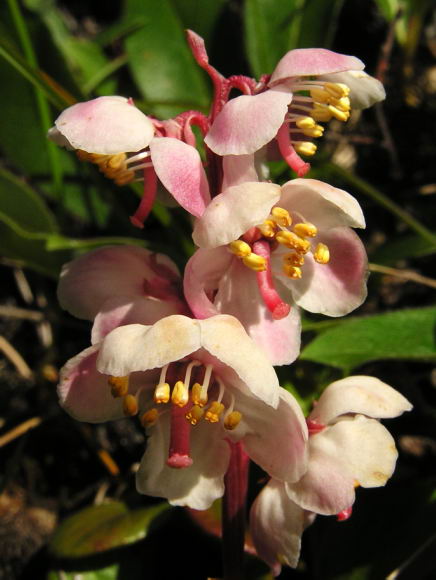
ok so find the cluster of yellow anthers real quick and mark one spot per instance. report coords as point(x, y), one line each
point(326, 101)
point(277, 227)
point(180, 395)
point(117, 167)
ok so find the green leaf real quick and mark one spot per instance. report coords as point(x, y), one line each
point(402, 247)
point(199, 16)
point(160, 62)
point(108, 573)
point(103, 527)
point(318, 24)
point(405, 334)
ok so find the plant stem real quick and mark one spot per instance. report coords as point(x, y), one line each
point(233, 513)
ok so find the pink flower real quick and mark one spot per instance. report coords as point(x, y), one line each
point(348, 447)
point(111, 132)
point(295, 103)
point(288, 245)
point(195, 384)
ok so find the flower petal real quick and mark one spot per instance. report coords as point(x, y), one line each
point(359, 394)
point(322, 204)
point(238, 295)
point(238, 169)
point(180, 169)
point(197, 486)
point(248, 122)
point(231, 213)
point(365, 90)
point(138, 348)
point(105, 125)
point(88, 281)
point(336, 288)
point(312, 62)
point(224, 337)
point(276, 526)
point(275, 439)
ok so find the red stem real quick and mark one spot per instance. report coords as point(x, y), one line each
point(148, 197)
point(278, 308)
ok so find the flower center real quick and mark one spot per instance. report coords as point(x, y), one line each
point(189, 405)
point(324, 102)
point(120, 167)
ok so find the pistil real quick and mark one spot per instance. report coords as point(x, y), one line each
point(180, 433)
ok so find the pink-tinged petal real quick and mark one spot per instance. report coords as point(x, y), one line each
point(203, 273)
point(365, 90)
point(312, 62)
point(122, 310)
point(275, 439)
point(139, 348)
point(322, 204)
point(106, 125)
point(359, 394)
point(88, 281)
point(238, 169)
point(197, 486)
point(365, 447)
point(238, 295)
point(181, 171)
point(84, 392)
point(231, 213)
point(248, 122)
point(224, 338)
point(327, 487)
point(276, 526)
point(336, 288)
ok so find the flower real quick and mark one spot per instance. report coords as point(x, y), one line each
point(308, 86)
point(348, 447)
point(114, 134)
point(288, 245)
point(194, 384)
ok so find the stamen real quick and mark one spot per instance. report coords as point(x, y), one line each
point(194, 414)
point(314, 132)
point(232, 418)
point(240, 248)
point(305, 123)
point(305, 230)
point(281, 216)
point(149, 418)
point(197, 396)
point(293, 259)
point(205, 386)
point(305, 148)
point(292, 241)
point(338, 114)
point(130, 405)
point(268, 228)
point(321, 254)
point(180, 431)
point(255, 262)
point(162, 393)
point(214, 412)
point(337, 90)
point(293, 272)
point(119, 386)
point(180, 394)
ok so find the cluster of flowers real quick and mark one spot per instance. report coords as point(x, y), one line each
point(193, 357)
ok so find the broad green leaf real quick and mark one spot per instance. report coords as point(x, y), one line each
point(103, 527)
point(199, 16)
point(318, 24)
point(403, 247)
point(405, 334)
point(160, 62)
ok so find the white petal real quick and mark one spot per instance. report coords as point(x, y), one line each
point(238, 169)
point(359, 394)
point(233, 212)
point(365, 90)
point(276, 526)
point(136, 347)
point(197, 486)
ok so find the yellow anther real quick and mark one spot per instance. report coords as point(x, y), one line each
point(337, 90)
point(292, 241)
point(214, 412)
point(293, 259)
point(321, 254)
point(194, 414)
point(240, 248)
point(293, 272)
point(149, 417)
point(255, 262)
point(305, 123)
point(83, 155)
point(305, 230)
point(117, 161)
point(197, 396)
point(314, 132)
point(125, 177)
point(268, 228)
point(338, 114)
point(180, 394)
point(321, 112)
point(320, 95)
point(342, 104)
point(119, 386)
point(281, 216)
point(130, 405)
point(356, 484)
point(305, 148)
point(232, 420)
point(162, 393)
